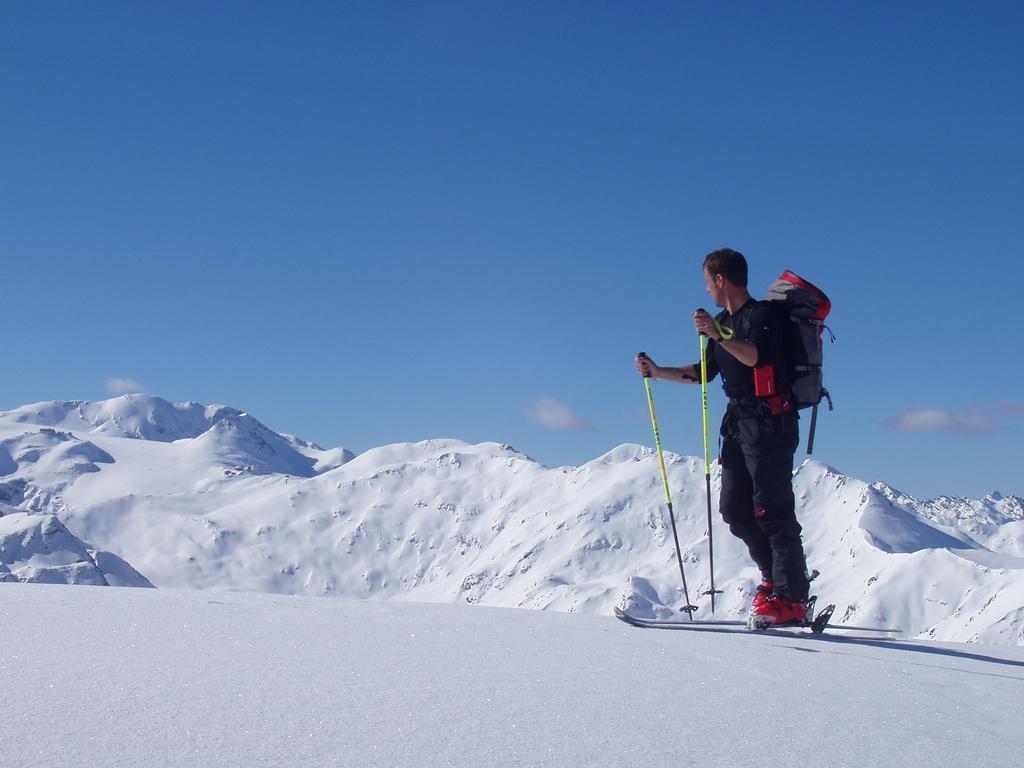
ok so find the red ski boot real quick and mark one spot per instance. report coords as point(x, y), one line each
point(777, 611)
point(762, 594)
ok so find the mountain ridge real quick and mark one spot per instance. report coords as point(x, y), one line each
point(448, 521)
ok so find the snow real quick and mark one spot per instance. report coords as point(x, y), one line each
point(254, 650)
point(893, 529)
point(146, 677)
point(206, 497)
point(38, 548)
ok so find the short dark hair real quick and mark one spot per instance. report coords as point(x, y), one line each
point(728, 263)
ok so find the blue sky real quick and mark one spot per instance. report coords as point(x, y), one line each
point(377, 222)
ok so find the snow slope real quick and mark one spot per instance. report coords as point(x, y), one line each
point(207, 679)
point(234, 507)
point(38, 548)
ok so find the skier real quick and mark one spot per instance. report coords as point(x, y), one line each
point(760, 433)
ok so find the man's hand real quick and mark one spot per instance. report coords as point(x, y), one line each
point(744, 351)
point(645, 366)
point(705, 324)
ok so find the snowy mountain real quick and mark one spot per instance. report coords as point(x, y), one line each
point(38, 548)
point(995, 521)
point(218, 501)
point(221, 435)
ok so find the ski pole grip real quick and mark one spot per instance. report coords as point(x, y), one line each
point(701, 309)
point(724, 334)
point(643, 355)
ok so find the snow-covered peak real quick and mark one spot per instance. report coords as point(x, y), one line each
point(893, 528)
point(238, 441)
point(817, 469)
point(893, 494)
point(136, 416)
point(624, 453)
point(39, 548)
point(400, 454)
point(994, 509)
point(217, 435)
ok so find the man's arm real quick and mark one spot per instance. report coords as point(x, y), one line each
point(687, 374)
point(744, 351)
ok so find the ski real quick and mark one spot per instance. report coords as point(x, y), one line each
point(821, 625)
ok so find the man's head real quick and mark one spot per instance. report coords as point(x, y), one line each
point(729, 264)
point(724, 270)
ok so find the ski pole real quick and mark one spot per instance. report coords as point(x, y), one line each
point(707, 461)
point(688, 608)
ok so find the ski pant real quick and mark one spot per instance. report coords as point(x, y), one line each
point(757, 500)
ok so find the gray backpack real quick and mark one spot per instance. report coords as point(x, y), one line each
point(802, 308)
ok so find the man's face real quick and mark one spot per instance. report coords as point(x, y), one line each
point(715, 285)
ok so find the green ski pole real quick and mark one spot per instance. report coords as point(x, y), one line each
point(688, 608)
point(707, 458)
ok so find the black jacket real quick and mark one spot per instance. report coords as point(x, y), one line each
point(757, 323)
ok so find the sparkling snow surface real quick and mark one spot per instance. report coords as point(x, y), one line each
point(140, 677)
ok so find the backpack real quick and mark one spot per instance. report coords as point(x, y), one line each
point(802, 308)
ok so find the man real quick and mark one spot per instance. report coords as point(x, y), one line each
point(760, 433)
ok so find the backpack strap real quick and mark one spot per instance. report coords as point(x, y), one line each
point(814, 419)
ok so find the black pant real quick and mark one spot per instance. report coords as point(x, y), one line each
point(757, 499)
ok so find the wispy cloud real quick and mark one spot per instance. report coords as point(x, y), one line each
point(120, 386)
point(971, 421)
point(1009, 408)
point(551, 414)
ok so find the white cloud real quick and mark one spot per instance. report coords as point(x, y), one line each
point(969, 422)
point(551, 414)
point(120, 386)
